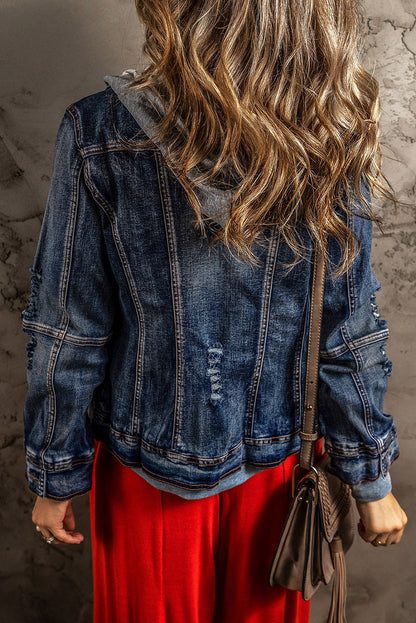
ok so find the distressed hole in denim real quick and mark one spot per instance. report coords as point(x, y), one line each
point(388, 365)
point(374, 308)
point(215, 353)
point(386, 462)
point(35, 280)
point(30, 347)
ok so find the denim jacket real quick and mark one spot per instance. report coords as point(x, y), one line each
point(188, 362)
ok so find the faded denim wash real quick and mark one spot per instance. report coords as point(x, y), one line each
point(187, 362)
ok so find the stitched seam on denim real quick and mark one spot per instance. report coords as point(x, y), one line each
point(30, 475)
point(69, 337)
point(169, 454)
point(363, 449)
point(350, 274)
point(72, 494)
point(77, 126)
point(364, 478)
point(105, 206)
point(371, 338)
point(276, 439)
point(298, 370)
point(351, 347)
point(105, 148)
point(63, 292)
point(99, 148)
point(367, 411)
point(57, 467)
point(264, 317)
point(175, 291)
point(200, 486)
point(63, 289)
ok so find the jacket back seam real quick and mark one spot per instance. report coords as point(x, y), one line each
point(264, 319)
point(139, 366)
point(298, 384)
point(171, 244)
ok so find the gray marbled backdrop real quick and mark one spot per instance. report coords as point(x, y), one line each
point(57, 53)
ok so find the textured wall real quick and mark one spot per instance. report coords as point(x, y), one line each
point(381, 581)
point(58, 52)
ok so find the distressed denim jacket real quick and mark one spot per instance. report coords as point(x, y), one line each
point(188, 362)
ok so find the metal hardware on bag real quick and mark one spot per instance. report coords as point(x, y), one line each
point(315, 496)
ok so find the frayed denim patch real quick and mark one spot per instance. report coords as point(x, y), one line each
point(374, 308)
point(215, 353)
point(35, 280)
point(388, 365)
point(30, 347)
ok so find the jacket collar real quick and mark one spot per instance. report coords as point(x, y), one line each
point(147, 110)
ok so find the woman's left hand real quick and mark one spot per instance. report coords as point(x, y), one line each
point(383, 520)
point(54, 518)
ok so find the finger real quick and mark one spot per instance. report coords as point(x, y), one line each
point(366, 535)
point(69, 519)
point(46, 534)
point(71, 537)
point(370, 537)
point(383, 538)
point(362, 532)
point(391, 538)
point(395, 537)
point(43, 530)
point(62, 536)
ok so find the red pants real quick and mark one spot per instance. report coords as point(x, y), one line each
point(159, 558)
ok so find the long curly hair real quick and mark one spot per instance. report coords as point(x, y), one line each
point(274, 94)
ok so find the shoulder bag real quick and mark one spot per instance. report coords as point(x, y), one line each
point(319, 527)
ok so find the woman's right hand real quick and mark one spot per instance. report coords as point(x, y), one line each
point(383, 519)
point(55, 518)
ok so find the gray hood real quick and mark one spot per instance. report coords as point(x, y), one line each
point(215, 202)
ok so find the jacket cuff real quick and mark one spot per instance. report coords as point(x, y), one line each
point(372, 490)
point(59, 484)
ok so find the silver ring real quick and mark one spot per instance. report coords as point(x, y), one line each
point(48, 539)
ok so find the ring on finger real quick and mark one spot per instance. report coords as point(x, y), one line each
point(46, 539)
point(49, 539)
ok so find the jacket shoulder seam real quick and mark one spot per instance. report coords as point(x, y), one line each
point(73, 112)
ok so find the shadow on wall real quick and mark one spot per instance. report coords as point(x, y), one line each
point(57, 52)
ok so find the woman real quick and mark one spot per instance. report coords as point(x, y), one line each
point(166, 364)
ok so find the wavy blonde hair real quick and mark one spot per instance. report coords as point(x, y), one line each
point(272, 91)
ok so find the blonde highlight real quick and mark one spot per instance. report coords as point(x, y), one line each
point(274, 94)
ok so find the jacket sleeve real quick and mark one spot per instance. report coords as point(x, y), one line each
point(69, 318)
point(354, 368)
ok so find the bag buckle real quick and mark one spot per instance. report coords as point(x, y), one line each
point(315, 496)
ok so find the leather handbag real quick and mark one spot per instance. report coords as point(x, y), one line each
point(320, 525)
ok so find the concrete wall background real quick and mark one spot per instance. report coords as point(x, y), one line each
point(57, 53)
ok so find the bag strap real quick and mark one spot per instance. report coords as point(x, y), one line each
point(308, 434)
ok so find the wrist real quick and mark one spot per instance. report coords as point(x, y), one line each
point(372, 490)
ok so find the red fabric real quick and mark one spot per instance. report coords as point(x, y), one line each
point(159, 558)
